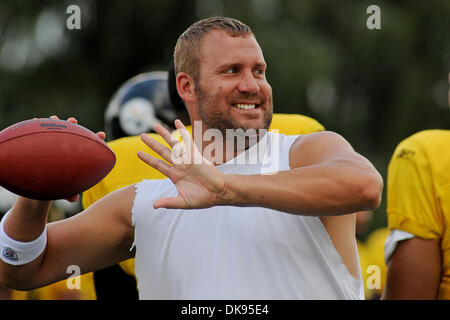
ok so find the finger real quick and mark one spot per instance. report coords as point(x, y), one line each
point(101, 135)
point(179, 124)
point(166, 135)
point(171, 203)
point(156, 163)
point(195, 155)
point(187, 139)
point(72, 119)
point(163, 151)
point(73, 198)
point(54, 118)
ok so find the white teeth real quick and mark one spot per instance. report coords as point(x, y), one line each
point(245, 106)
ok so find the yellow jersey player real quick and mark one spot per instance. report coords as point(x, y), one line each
point(137, 106)
point(418, 207)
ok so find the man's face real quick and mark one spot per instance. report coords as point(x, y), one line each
point(232, 91)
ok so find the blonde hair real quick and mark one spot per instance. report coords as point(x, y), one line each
point(187, 50)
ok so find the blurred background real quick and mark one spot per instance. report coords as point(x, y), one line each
point(374, 87)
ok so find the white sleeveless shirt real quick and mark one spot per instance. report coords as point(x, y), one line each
point(228, 252)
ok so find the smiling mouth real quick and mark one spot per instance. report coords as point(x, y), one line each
point(245, 106)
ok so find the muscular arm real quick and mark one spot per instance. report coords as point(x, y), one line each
point(327, 178)
point(98, 237)
point(414, 270)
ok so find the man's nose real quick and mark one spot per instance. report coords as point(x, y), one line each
point(248, 83)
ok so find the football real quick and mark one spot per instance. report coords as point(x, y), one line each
point(48, 159)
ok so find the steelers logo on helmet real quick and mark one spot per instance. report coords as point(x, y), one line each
point(136, 116)
point(138, 105)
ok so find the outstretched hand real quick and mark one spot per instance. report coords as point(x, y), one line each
point(199, 183)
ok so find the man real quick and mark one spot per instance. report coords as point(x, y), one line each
point(115, 282)
point(417, 250)
point(222, 230)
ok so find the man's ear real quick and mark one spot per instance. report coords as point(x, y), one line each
point(186, 87)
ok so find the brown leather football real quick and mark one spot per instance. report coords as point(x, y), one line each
point(50, 159)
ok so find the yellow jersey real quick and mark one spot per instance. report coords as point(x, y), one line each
point(371, 260)
point(418, 192)
point(129, 169)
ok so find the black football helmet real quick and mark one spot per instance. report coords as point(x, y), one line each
point(138, 105)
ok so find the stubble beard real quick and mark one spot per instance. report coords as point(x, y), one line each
point(215, 119)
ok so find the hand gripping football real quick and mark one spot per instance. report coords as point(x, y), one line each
point(50, 159)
